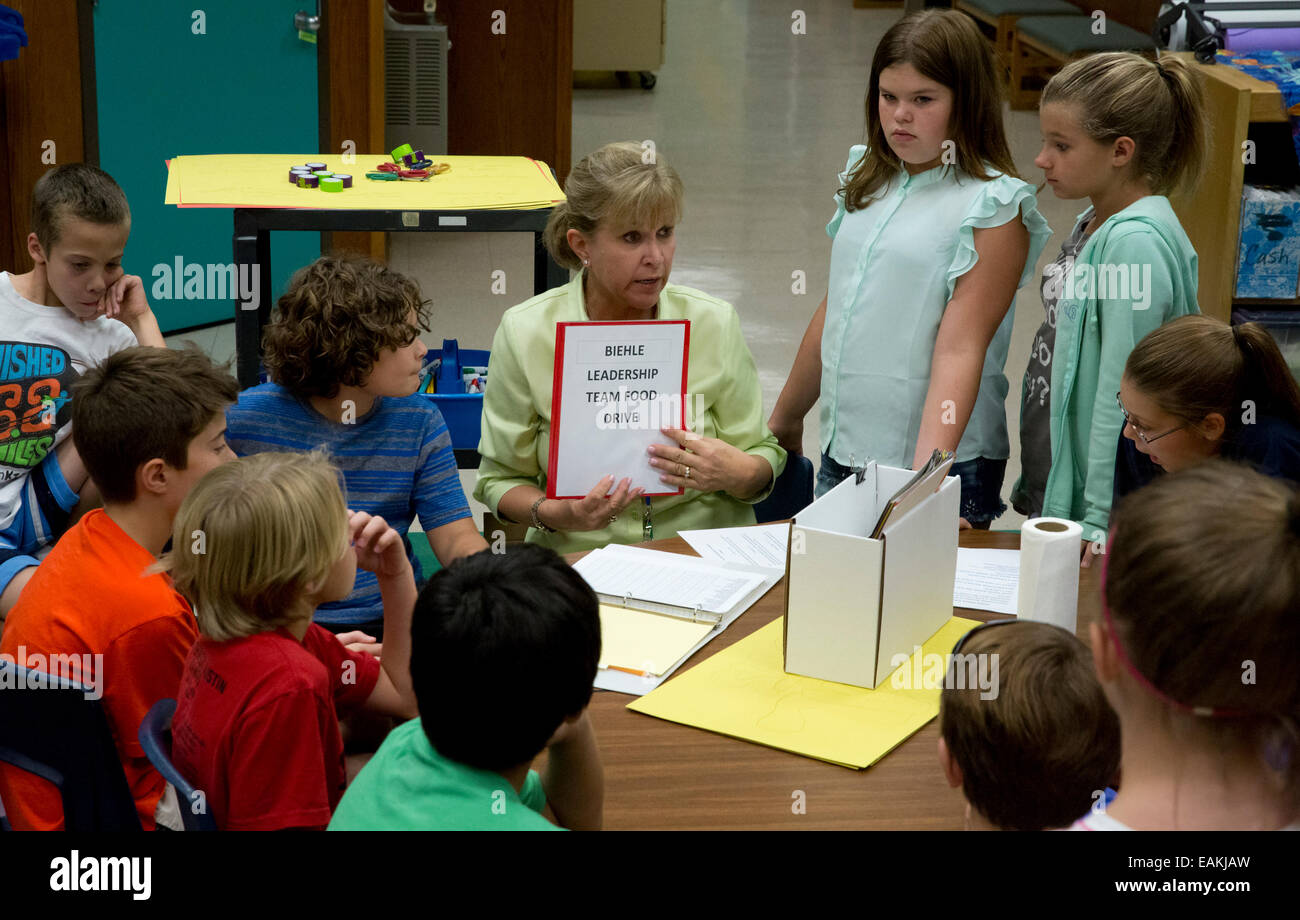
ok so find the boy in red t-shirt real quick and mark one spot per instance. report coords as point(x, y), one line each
point(256, 547)
point(148, 423)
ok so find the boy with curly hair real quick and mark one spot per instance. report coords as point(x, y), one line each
point(344, 355)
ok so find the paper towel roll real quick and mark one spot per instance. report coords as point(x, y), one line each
point(1049, 571)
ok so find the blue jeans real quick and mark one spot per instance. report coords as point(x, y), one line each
point(981, 486)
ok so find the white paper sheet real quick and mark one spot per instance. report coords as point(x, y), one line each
point(620, 383)
point(987, 579)
point(763, 546)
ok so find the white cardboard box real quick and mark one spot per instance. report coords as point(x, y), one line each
point(854, 603)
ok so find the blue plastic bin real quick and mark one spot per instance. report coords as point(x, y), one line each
point(462, 411)
point(1283, 325)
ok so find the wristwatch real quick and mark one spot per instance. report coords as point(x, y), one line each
point(537, 522)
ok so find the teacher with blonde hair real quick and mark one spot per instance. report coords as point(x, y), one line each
point(616, 229)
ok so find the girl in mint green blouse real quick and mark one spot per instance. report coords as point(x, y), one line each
point(933, 234)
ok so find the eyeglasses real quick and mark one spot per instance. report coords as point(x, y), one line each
point(1128, 420)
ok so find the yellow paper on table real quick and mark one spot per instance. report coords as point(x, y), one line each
point(262, 180)
point(634, 640)
point(743, 691)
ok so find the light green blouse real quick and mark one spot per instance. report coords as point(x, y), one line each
point(894, 266)
point(723, 394)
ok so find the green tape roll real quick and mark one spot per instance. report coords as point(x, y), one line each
point(330, 184)
point(322, 174)
point(399, 152)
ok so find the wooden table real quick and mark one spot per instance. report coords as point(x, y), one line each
point(661, 775)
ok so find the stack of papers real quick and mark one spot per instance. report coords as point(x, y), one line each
point(658, 609)
point(262, 181)
point(743, 691)
point(763, 546)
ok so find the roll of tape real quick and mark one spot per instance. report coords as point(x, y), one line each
point(296, 172)
point(308, 182)
point(315, 166)
point(402, 151)
point(347, 180)
point(382, 176)
point(322, 174)
point(331, 184)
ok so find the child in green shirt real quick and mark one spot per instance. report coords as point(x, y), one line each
point(504, 651)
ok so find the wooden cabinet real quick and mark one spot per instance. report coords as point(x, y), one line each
point(510, 79)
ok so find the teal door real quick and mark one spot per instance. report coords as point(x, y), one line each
point(175, 79)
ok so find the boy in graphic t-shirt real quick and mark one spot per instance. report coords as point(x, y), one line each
point(72, 310)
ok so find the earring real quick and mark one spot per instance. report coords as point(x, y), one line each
point(585, 262)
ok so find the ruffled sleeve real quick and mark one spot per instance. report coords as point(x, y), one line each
point(999, 200)
point(856, 153)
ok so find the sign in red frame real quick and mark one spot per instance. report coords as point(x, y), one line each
point(557, 390)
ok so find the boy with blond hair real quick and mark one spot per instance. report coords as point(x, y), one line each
point(258, 545)
point(72, 310)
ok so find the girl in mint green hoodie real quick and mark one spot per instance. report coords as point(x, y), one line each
point(1121, 131)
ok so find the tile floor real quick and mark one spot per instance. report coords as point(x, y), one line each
point(758, 121)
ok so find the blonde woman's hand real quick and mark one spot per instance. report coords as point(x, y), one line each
point(594, 511)
point(708, 465)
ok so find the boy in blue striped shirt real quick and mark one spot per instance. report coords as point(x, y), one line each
point(344, 355)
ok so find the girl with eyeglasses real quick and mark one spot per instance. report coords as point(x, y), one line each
point(1197, 388)
point(1195, 651)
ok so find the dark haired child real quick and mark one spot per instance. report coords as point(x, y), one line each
point(72, 310)
point(344, 354)
point(1042, 750)
point(504, 651)
point(932, 235)
point(149, 423)
point(1196, 652)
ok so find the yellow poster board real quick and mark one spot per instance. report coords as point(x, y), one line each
point(262, 181)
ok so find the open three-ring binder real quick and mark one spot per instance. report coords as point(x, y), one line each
point(658, 609)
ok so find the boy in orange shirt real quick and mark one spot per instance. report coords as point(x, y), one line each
point(148, 423)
